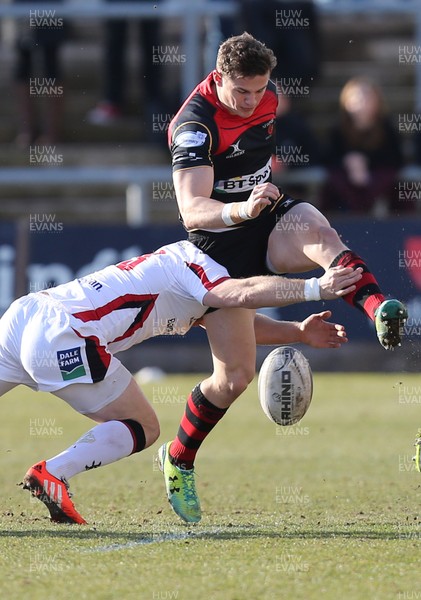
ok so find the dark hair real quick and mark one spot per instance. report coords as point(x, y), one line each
point(244, 56)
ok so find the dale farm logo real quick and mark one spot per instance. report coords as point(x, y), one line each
point(70, 363)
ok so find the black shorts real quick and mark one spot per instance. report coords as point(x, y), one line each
point(243, 250)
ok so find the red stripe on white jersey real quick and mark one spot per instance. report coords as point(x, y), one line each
point(120, 303)
point(200, 272)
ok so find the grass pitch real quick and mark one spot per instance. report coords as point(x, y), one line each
point(328, 508)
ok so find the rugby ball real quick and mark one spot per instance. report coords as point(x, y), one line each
point(285, 385)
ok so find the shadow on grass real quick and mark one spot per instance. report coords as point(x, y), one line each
point(126, 540)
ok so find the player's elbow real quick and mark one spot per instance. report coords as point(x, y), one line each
point(189, 221)
point(188, 213)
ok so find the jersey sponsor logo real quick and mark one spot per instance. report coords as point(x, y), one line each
point(93, 283)
point(269, 125)
point(70, 363)
point(170, 325)
point(236, 150)
point(188, 139)
point(243, 183)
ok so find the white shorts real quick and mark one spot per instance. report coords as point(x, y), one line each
point(39, 348)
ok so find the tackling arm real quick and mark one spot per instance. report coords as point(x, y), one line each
point(272, 291)
point(314, 331)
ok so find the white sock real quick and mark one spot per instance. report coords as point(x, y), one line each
point(102, 445)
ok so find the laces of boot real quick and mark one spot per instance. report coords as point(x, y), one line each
point(189, 489)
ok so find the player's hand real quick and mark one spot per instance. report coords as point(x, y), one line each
point(338, 281)
point(318, 333)
point(261, 196)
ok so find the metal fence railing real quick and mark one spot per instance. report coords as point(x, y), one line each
point(139, 180)
point(191, 14)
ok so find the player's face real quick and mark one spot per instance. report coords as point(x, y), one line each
point(240, 95)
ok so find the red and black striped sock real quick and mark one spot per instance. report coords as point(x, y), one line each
point(367, 296)
point(199, 418)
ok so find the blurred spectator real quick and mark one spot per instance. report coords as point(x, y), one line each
point(417, 148)
point(217, 29)
point(363, 154)
point(291, 29)
point(296, 144)
point(38, 77)
point(115, 70)
point(227, 26)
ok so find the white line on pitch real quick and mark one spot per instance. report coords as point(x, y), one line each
point(156, 539)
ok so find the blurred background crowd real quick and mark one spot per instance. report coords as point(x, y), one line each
point(101, 91)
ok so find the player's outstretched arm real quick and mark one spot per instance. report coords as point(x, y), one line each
point(271, 291)
point(314, 331)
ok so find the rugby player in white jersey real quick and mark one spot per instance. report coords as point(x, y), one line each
point(63, 340)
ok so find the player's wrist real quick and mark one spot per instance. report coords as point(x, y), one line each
point(242, 211)
point(312, 289)
point(301, 332)
point(226, 214)
point(235, 212)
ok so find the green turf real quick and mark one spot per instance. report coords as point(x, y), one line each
point(328, 508)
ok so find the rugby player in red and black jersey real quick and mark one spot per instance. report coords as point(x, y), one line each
point(221, 141)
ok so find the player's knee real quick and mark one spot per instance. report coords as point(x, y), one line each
point(152, 432)
point(311, 215)
point(238, 381)
point(144, 432)
point(328, 235)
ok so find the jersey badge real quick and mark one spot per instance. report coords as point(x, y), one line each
point(70, 363)
point(188, 139)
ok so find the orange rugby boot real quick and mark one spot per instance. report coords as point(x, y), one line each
point(53, 492)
